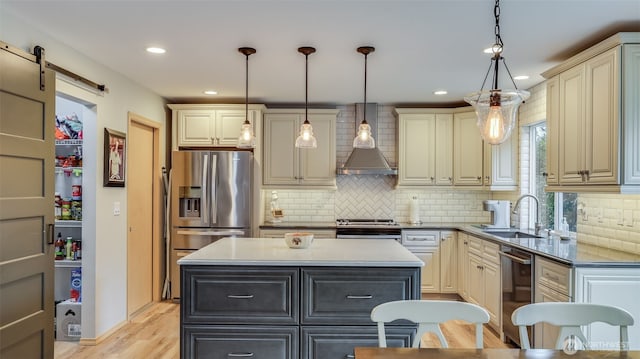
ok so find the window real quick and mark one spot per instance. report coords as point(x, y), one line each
point(553, 206)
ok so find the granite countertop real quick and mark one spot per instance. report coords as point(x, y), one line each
point(571, 252)
point(568, 251)
point(322, 252)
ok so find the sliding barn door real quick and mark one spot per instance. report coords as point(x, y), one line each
point(26, 206)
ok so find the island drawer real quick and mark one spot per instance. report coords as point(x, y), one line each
point(347, 295)
point(232, 295)
point(339, 342)
point(238, 341)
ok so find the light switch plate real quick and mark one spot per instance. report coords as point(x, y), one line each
point(116, 208)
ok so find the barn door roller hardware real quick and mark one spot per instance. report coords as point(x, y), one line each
point(38, 51)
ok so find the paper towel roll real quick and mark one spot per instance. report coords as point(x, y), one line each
point(414, 210)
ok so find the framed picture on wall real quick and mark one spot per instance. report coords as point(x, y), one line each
point(115, 151)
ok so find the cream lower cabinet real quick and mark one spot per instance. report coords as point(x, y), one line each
point(552, 284)
point(437, 249)
point(484, 278)
point(463, 265)
point(593, 126)
point(467, 151)
point(425, 147)
point(611, 286)
point(205, 125)
point(285, 165)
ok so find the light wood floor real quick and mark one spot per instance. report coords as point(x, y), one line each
point(155, 334)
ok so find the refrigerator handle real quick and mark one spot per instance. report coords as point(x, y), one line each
point(204, 205)
point(212, 196)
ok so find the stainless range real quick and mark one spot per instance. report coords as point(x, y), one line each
point(368, 228)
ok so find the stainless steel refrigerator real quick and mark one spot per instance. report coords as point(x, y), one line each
point(210, 199)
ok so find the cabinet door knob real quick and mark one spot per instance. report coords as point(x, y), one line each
point(479, 178)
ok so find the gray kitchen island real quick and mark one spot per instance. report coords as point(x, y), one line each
point(257, 298)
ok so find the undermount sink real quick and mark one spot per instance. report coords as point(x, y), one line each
point(511, 234)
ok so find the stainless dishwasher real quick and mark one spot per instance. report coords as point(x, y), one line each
point(517, 288)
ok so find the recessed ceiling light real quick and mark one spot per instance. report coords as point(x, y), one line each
point(440, 92)
point(210, 92)
point(156, 50)
point(521, 77)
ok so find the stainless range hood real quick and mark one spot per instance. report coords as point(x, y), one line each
point(365, 161)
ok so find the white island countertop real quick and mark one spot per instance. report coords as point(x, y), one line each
point(322, 252)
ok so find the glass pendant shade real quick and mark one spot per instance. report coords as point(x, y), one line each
point(364, 138)
point(306, 139)
point(497, 112)
point(247, 138)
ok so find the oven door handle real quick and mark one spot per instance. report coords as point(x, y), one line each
point(373, 236)
point(230, 232)
point(520, 260)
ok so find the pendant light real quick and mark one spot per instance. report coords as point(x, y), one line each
point(247, 137)
point(363, 138)
point(496, 109)
point(306, 138)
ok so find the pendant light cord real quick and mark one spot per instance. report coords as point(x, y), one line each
point(306, 88)
point(364, 111)
point(246, 93)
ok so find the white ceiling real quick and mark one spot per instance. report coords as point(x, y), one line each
point(421, 45)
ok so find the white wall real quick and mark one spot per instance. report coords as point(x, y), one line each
point(104, 263)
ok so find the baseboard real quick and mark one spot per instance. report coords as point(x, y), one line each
point(101, 338)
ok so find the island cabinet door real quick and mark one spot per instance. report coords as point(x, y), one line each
point(329, 342)
point(346, 296)
point(224, 342)
point(235, 295)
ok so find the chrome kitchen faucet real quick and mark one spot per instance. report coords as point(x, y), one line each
point(538, 225)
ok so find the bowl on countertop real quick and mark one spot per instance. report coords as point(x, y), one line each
point(298, 240)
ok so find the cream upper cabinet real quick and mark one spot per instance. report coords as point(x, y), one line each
point(553, 118)
point(207, 125)
point(425, 148)
point(286, 165)
point(594, 118)
point(467, 151)
point(501, 164)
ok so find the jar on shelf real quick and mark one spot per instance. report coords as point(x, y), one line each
point(58, 206)
point(66, 210)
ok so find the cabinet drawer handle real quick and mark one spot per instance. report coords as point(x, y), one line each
point(553, 277)
point(480, 267)
point(350, 356)
point(238, 296)
point(240, 355)
point(366, 296)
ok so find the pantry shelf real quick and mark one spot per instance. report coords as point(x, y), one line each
point(68, 224)
point(67, 263)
